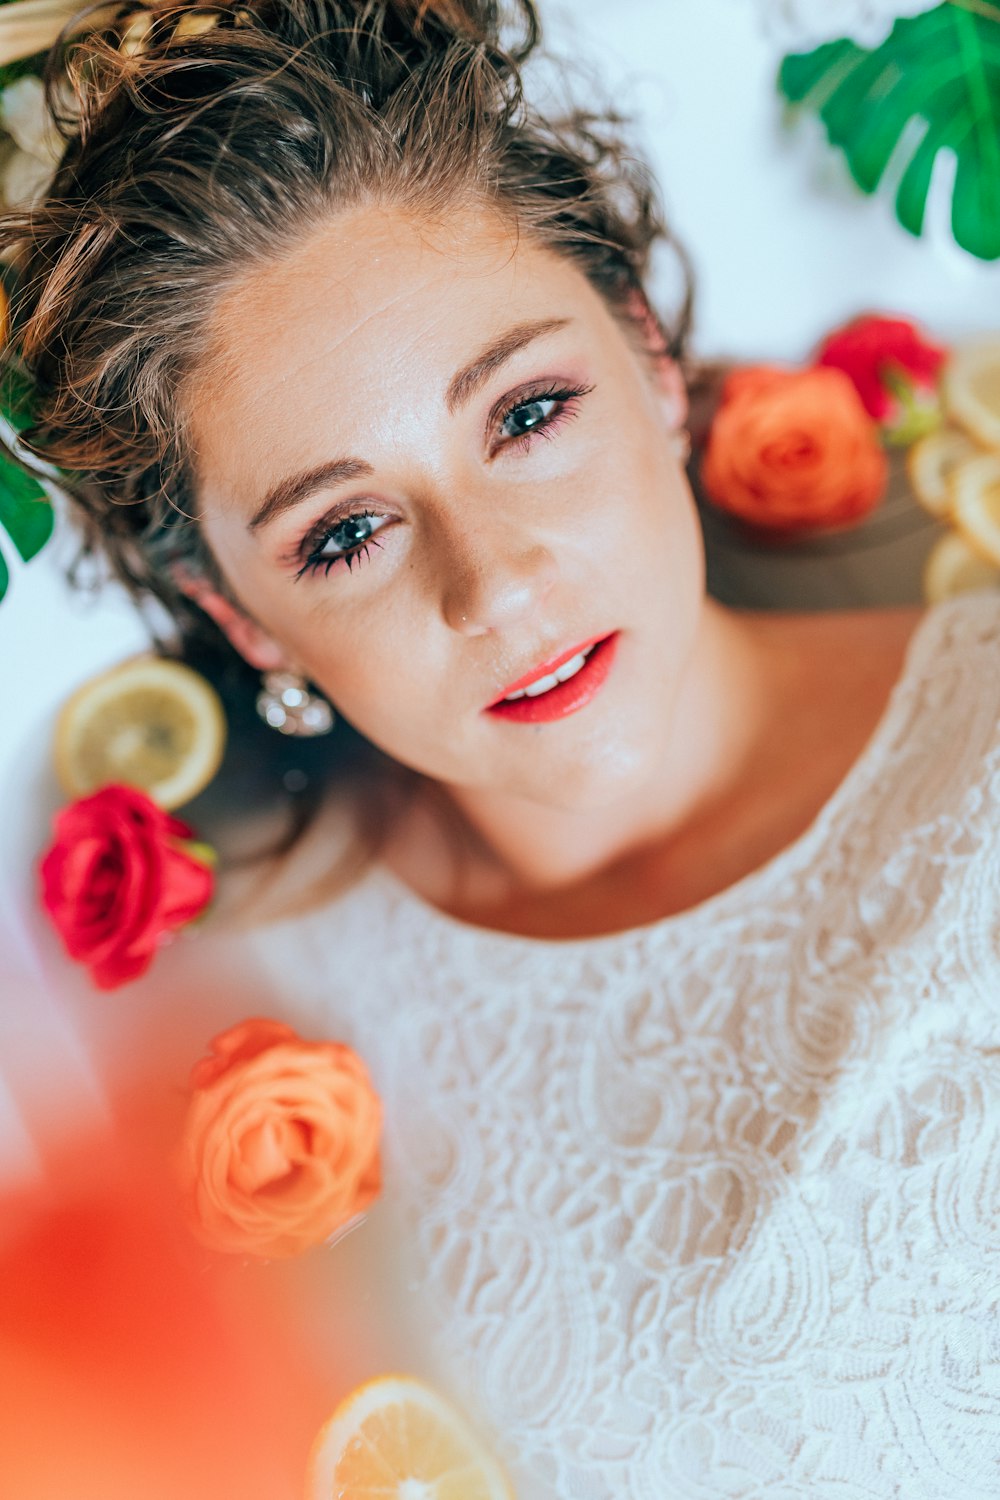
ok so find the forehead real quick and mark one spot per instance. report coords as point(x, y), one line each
point(373, 296)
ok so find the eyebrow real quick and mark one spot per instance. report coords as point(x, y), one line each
point(474, 376)
point(461, 389)
point(298, 487)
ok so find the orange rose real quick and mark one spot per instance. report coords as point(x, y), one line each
point(280, 1145)
point(793, 449)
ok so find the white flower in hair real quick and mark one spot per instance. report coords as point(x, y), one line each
point(799, 25)
point(25, 118)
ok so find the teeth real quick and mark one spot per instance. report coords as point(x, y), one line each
point(546, 684)
point(543, 685)
point(570, 668)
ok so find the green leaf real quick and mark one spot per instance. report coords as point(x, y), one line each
point(17, 395)
point(22, 67)
point(933, 85)
point(25, 510)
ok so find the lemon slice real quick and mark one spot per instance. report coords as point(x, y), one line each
point(150, 723)
point(953, 568)
point(931, 463)
point(972, 390)
point(975, 493)
point(397, 1439)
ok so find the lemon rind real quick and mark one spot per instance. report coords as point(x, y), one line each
point(944, 563)
point(977, 418)
point(937, 500)
point(380, 1392)
point(198, 768)
point(967, 485)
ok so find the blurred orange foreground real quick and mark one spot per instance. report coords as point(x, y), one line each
point(134, 1366)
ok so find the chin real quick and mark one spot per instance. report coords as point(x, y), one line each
point(602, 774)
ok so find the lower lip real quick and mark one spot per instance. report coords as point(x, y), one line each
point(559, 702)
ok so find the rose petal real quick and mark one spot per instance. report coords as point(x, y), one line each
point(115, 882)
point(281, 1143)
point(795, 451)
point(238, 1044)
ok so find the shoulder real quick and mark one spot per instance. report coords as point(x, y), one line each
point(953, 653)
point(862, 634)
point(943, 661)
point(940, 733)
point(910, 695)
point(875, 649)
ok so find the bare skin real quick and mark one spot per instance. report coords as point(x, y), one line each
point(518, 505)
point(832, 677)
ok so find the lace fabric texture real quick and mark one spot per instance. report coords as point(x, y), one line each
point(711, 1209)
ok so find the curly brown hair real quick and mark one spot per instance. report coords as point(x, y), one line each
point(209, 152)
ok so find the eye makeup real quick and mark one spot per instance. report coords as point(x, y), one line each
point(530, 402)
point(310, 553)
point(565, 400)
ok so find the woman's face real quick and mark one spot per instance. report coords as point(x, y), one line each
point(431, 463)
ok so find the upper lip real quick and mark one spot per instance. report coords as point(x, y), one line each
point(546, 668)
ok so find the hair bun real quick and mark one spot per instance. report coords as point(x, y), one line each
point(506, 25)
point(479, 20)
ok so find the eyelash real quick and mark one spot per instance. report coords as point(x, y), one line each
point(315, 561)
point(568, 400)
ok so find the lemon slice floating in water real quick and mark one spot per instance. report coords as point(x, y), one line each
point(150, 723)
point(972, 390)
point(932, 461)
point(397, 1439)
point(975, 493)
point(953, 568)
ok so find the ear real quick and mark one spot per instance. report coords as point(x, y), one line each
point(667, 372)
point(244, 634)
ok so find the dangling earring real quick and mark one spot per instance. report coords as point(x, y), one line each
point(680, 441)
point(286, 704)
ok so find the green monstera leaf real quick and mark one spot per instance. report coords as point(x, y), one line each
point(933, 85)
point(25, 510)
point(25, 515)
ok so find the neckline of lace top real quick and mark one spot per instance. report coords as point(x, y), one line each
point(733, 902)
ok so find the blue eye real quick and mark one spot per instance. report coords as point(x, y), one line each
point(348, 535)
point(527, 416)
point(537, 412)
point(344, 541)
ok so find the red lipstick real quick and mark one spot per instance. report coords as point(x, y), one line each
point(566, 697)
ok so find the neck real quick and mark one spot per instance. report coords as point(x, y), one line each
point(720, 709)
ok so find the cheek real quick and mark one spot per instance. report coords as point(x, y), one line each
point(366, 650)
point(380, 667)
point(649, 526)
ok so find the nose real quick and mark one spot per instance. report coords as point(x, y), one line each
point(492, 584)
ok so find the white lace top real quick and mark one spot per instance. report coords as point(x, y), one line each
point(711, 1209)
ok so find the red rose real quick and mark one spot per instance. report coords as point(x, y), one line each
point(895, 371)
point(118, 879)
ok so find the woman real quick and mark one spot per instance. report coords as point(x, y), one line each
point(677, 967)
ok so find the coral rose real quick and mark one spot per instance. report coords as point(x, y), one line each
point(895, 369)
point(793, 450)
point(119, 877)
point(281, 1141)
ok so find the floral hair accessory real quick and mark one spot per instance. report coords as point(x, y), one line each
point(281, 1141)
point(120, 876)
point(793, 450)
point(895, 369)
